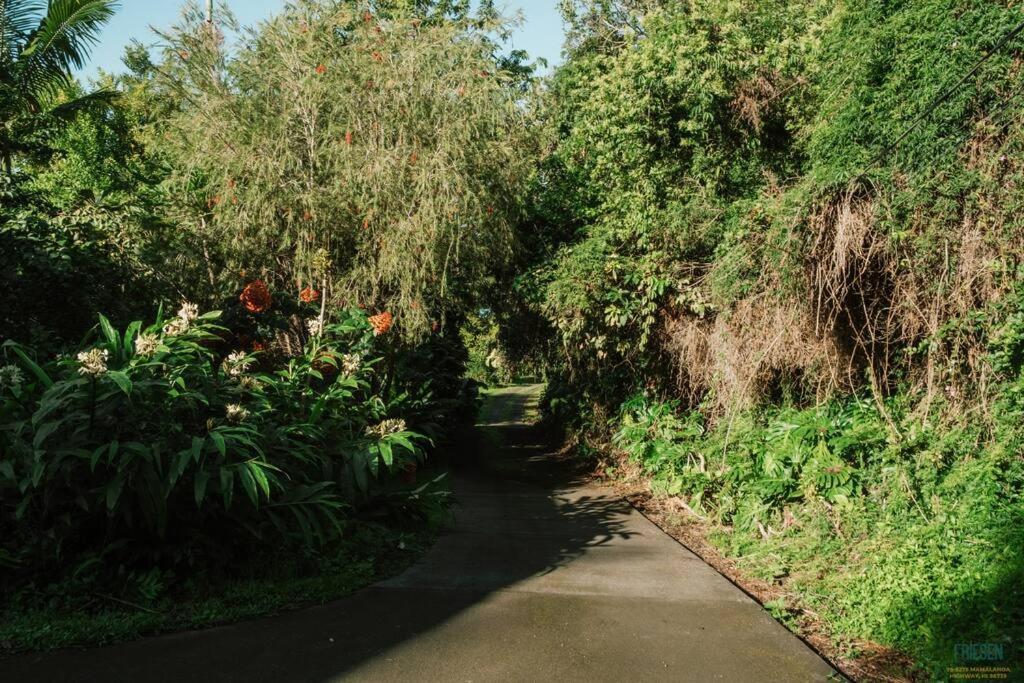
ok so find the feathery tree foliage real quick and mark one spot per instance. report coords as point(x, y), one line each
point(378, 155)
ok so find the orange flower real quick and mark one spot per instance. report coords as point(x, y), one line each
point(259, 346)
point(366, 223)
point(381, 323)
point(321, 69)
point(378, 57)
point(348, 137)
point(367, 16)
point(255, 297)
point(213, 201)
point(309, 295)
point(490, 210)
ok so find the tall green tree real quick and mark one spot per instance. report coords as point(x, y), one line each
point(40, 43)
point(380, 153)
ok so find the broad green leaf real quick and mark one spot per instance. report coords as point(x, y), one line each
point(202, 477)
point(129, 336)
point(384, 447)
point(218, 440)
point(249, 484)
point(113, 492)
point(121, 380)
point(260, 476)
point(39, 373)
point(197, 447)
point(43, 432)
point(109, 333)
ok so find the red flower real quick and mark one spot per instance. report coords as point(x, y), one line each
point(348, 137)
point(321, 69)
point(309, 295)
point(381, 322)
point(378, 57)
point(255, 297)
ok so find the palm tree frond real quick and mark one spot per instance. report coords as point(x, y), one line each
point(94, 101)
point(17, 19)
point(62, 41)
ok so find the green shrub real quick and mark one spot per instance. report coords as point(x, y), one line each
point(910, 537)
point(157, 445)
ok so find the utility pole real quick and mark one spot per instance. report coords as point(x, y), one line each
point(209, 12)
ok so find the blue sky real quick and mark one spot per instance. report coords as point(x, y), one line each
point(540, 35)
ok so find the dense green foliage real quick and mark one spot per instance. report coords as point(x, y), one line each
point(793, 302)
point(156, 447)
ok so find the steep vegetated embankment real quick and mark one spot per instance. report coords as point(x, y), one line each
point(778, 265)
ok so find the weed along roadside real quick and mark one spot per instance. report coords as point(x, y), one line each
point(351, 327)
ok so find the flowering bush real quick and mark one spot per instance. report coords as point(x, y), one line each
point(152, 439)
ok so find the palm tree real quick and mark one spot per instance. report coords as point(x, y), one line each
point(40, 42)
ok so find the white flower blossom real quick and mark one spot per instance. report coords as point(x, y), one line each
point(386, 427)
point(249, 383)
point(236, 363)
point(188, 312)
point(93, 362)
point(314, 326)
point(11, 376)
point(175, 327)
point(350, 363)
point(236, 412)
point(146, 344)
